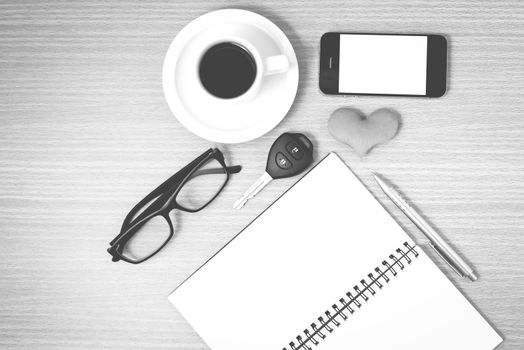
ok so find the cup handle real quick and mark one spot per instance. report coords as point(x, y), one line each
point(276, 64)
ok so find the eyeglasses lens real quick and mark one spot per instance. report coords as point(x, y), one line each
point(147, 240)
point(203, 186)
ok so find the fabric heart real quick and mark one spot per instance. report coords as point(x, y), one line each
point(352, 127)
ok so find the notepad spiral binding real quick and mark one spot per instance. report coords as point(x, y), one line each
point(326, 325)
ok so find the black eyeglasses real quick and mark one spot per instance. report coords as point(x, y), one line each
point(148, 228)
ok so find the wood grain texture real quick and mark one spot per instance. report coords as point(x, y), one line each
point(85, 132)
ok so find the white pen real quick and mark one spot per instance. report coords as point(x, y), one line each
point(441, 247)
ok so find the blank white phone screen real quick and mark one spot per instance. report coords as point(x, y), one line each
point(383, 64)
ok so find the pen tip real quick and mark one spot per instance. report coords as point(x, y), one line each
point(473, 277)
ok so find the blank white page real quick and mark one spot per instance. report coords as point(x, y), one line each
point(301, 256)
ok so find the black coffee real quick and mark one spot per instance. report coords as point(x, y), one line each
point(227, 70)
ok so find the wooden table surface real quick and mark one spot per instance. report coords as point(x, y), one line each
point(85, 132)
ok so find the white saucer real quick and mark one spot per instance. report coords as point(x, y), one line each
point(221, 120)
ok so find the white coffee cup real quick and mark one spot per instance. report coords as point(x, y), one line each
point(254, 42)
point(264, 66)
point(262, 104)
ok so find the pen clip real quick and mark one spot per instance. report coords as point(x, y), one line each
point(453, 267)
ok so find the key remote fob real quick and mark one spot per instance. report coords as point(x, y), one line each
point(290, 154)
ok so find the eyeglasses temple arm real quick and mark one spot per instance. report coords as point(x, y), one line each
point(235, 169)
point(230, 169)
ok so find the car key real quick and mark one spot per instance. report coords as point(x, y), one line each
point(289, 155)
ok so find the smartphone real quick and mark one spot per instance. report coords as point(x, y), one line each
point(383, 64)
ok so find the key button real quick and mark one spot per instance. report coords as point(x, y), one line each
point(282, 161)
point(294, 149)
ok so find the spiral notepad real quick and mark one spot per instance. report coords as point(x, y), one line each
point(326, 267)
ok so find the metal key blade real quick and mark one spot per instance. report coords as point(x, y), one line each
point(253, 190)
